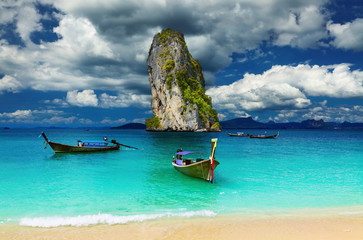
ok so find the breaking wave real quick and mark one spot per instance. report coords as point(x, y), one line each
point(109, 219)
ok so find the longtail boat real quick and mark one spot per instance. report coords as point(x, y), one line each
point(239, 134)
point(84, 146)
point(264, 136)
point(198, 168)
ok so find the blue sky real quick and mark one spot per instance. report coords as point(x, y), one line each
point(83, 63)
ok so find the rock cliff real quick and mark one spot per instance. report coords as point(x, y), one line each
point(177, 85)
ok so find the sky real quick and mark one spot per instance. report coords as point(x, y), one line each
point(83, 63)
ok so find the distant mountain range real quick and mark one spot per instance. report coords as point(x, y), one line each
point(131, 126)
point(249, 123)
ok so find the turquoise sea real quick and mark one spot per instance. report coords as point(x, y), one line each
point(298, 170)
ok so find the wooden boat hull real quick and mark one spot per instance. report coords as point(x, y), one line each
point(200, 169)
point(238, 135)
point(63, 148)
point(265, 137)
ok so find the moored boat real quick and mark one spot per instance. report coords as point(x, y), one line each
point(264, 136)
point(83, 146)
point(198, 168)
point(239, 134)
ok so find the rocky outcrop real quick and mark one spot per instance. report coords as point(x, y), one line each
point(177, 85)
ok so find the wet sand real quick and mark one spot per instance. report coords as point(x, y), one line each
point(319, 225)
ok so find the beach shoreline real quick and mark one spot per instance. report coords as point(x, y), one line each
point(337, 223)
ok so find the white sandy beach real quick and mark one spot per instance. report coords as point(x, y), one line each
point(330, 224)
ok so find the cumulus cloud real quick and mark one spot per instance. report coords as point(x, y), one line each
point(288, 87)
point(86, 98)
point(18, 114)
point(124, 100)
point(109, 121)
point(58, 120)
point(30, 116)
point(10, 84)
point(81, 33)
point(82, 57)
point(52, 117)
point(103, 44)
point(347, 36)
point(57, 102)
point(319, 111)
point(27, 21)
point(41, 117)
point(336, 114)
point(303, 28)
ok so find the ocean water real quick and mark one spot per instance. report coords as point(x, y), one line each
point(300, 169)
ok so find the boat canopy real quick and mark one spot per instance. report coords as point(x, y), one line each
point(86, 141)
point(184, 152)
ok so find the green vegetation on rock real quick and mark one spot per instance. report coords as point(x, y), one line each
point(168, 34)
point(194, 93)
point(169, 65)
point(153, 123)
point(169, 81)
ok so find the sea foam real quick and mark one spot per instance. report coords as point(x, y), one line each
point(109, 219)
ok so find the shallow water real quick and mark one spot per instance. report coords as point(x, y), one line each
point(299, 169)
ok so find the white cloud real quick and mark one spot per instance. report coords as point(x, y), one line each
point(124, 100)
point(288, 87)
point(109, 121)
point(139, 120)
point(18, 114)
point(85, 121)
point(42, 117)
point(9, 15)
point(104, 44)
point(80, 59)
point(327, 113)
point(10, 84)
point(79, 37)
point(286, 114)
point(57, 102)
point(58, 120)
point(52, 117)
point(27, 21)
point(47, 112)
point(348, 35)
point(86, 98)
point(304, 28)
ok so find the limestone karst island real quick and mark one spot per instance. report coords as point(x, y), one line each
point(178, 102)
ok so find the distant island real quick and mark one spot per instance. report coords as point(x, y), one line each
point(249, 123)
point(237, 123)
